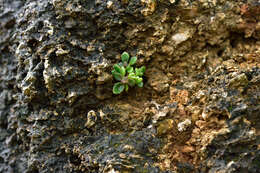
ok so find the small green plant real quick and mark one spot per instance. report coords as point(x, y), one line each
point(126, 74)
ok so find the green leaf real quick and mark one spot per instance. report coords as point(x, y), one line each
point(125, 57)
point(141, 84)
point(132, 74)
point(126, 87)
point(133, 60)
point(117, 68)
point(117, 75)
point(129, 69)
point(140, 71)
point(131, 81)
point(138, 80)
point(123, 71)
point(120, 69)
point(135, 78)
point(118, 88)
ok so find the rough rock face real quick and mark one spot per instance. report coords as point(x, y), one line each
point(199, 109)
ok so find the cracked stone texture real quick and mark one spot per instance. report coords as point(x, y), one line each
point(57, 110)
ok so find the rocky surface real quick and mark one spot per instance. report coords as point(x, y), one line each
point(199, 109)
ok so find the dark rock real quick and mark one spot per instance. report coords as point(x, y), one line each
point(57, 111)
